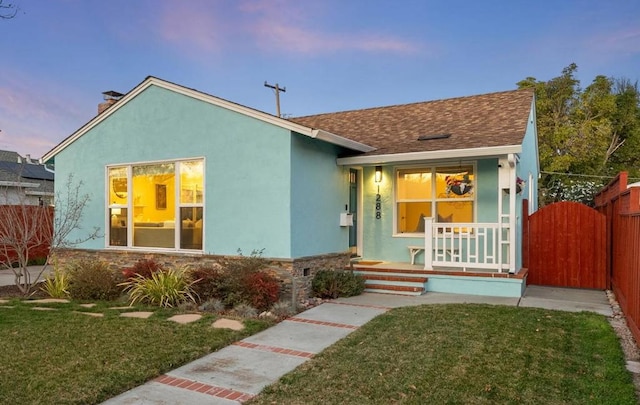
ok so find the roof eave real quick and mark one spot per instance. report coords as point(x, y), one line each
point(486, 152)
point(340, 141)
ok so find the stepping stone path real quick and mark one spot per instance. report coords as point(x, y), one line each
point(94, 314)
point(221, 323)
point(224, 323)
point(185, 318)
point(47, 301)
point(137, 314)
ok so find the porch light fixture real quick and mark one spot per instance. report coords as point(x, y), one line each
point(378, 176)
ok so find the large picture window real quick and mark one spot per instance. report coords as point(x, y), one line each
point(447, 194)
point(156, 205)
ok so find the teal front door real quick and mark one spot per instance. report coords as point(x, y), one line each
point(353, 209)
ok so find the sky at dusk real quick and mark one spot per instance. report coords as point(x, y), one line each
point(58, 56)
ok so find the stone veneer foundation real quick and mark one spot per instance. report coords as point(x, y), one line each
point(295, 274)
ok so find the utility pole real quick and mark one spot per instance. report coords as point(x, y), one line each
point(277, 89)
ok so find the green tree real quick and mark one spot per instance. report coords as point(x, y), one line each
point(591, 132)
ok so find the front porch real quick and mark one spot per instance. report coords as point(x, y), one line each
point(413, 279)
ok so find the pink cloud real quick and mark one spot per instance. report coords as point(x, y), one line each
point(624, 42)
point(193, 25)
point(282, 26)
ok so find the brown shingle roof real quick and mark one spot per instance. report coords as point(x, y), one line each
point(496, 119)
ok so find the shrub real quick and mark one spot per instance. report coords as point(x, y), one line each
point(56, 285)
point(337, 283)
point(92, 280)
point(143, 267)
point(208, 283)
point(245, 311)
point(282, 309)
point(212, 305)
point(260, 289)
point(166, 288)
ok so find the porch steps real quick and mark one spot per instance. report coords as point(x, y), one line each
point(392, 281)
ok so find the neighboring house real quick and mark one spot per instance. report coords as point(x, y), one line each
point(24, 181)
point(191, 177)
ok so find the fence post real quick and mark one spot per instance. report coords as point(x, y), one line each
point(525, 233)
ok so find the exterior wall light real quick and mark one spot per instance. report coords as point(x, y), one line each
point(378, 176)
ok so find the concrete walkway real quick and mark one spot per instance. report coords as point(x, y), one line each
point(240, 371)
point(7, 277)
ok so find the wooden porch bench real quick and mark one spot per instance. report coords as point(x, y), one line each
point(415, 249)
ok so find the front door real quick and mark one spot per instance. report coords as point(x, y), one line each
point(353, 209)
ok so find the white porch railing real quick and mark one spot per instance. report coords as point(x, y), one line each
point(467, 245)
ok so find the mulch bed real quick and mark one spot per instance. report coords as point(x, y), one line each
point(12, 291)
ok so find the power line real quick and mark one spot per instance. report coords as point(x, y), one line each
point(277, 89)
point(586, 175)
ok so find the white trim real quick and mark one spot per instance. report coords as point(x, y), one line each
point(43, 193)
point(493, 151)
point(250, 112)
point(18, 184)
point(340, 140)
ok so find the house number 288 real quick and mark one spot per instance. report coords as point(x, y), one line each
point(378, 206)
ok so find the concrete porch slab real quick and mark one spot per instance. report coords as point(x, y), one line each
point(566, 299)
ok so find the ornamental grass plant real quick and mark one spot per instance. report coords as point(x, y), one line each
point(165, 288)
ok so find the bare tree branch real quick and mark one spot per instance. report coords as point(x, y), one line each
point(28, 229)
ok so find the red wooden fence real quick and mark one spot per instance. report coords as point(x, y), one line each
point(566, 246)
point(12, 216)
point(621, 205)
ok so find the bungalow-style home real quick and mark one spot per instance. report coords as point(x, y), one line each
point(24, 181)
point(418, 197)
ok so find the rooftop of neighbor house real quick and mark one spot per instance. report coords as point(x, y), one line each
point(485, 120)
point(16, 168)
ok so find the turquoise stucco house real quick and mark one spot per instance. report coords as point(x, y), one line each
point(419, 197)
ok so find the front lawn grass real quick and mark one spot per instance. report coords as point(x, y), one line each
point(63, 357)
point(466, 354)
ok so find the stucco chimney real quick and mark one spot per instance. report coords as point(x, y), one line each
point(110, 98)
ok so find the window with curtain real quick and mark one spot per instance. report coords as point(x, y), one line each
point(447, 194)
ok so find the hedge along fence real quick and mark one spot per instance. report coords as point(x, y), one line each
point(621, 205)
point(25, 228)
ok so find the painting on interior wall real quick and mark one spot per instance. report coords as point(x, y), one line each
point(161, 197)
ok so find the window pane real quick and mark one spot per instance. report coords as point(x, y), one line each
point(191, 228)
point(457, 211)
point(118, 186)
point(191, 184)
point(118, 227)
point(411, 216)
point(414, 184)
point(458, 182)
point(154, 205)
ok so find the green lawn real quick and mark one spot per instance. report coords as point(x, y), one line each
point(61, 357)
point(466, 354)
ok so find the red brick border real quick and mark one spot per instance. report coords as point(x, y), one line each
point(204, 388)
point(360, 305)
point(274, 349)
point(323, 323)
